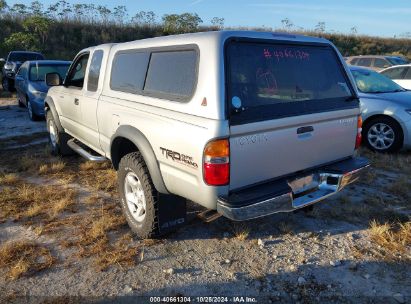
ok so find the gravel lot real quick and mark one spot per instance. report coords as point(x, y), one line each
point(326, 255)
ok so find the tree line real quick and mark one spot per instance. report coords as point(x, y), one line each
point(62, 29)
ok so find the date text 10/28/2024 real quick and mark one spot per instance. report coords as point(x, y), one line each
point(183, 299)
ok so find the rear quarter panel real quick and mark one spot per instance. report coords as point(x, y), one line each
point(172, 136)
point(171, 127)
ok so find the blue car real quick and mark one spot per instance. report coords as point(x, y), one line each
point(31, 87)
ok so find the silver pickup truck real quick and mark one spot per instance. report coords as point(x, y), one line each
point(243, 123)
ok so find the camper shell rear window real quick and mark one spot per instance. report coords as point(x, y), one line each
point(276, 79)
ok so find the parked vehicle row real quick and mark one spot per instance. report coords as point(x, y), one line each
point(12, 64)
point(376, 63)
point(400, 74)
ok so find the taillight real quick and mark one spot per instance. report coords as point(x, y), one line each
point(217, 162)
point(359, 130)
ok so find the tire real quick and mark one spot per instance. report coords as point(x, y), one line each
point(57, 139)
point(132, 167)
point(383, 134)
point(32, 115)
point(21, 105)
point(8, 84)
point(5, 84)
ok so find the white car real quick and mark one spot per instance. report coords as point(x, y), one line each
point(401, 74)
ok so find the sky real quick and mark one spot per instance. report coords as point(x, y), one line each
point(370, 17)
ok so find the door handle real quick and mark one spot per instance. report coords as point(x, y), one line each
point(76, 101)
point(306, 129)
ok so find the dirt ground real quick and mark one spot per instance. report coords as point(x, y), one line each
point(63, 238)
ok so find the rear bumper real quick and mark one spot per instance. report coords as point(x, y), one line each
point(291, 193)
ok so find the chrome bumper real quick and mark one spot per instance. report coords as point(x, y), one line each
point(302, 192)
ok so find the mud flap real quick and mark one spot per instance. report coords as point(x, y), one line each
point(172, 213)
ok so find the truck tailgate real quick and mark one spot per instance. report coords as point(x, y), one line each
point(266, 150)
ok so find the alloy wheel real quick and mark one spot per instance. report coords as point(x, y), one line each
point(381, 136)
point(134, 193)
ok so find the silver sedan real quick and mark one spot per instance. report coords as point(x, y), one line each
point(386, 111)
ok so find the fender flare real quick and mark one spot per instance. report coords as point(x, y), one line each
point(140, 141)
point(49, 106)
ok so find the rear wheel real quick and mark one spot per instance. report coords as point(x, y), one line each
point(139, 197)
point(21, 105)
point(383, 134)
point(57, 139)
point(4, 84)
point(7, 84)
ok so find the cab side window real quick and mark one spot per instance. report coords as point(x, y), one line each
point(408, 75)
point(364, 62)
point(381, 63)
point(94, 71)
point(78, 72)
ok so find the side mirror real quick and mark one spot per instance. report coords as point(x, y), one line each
point(2, 60)
point(53, 79)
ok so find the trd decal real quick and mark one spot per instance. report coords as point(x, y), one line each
point(179, 158)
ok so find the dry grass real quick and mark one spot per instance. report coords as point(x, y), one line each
point(394, 240)
point(93, 199)
point(345, 199)
point(96, 229)
point(285, 227)
point(390, 162)
point(240, 231)
point(28, 163)
point(101, 225)
point(98, 176)
point(363, 208)
point(104, 237)
point(37, 160)
point(9, 179)
point(369, 177)
point(43, 169)
point(29, 200)
point(55, 167)
point(122, 253)
point(23, 258)
point(400, 188)
point(89, 165)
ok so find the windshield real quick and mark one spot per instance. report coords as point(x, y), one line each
point(38, 72)
point(373, 82)
point(25, 57)
point(291, 79)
